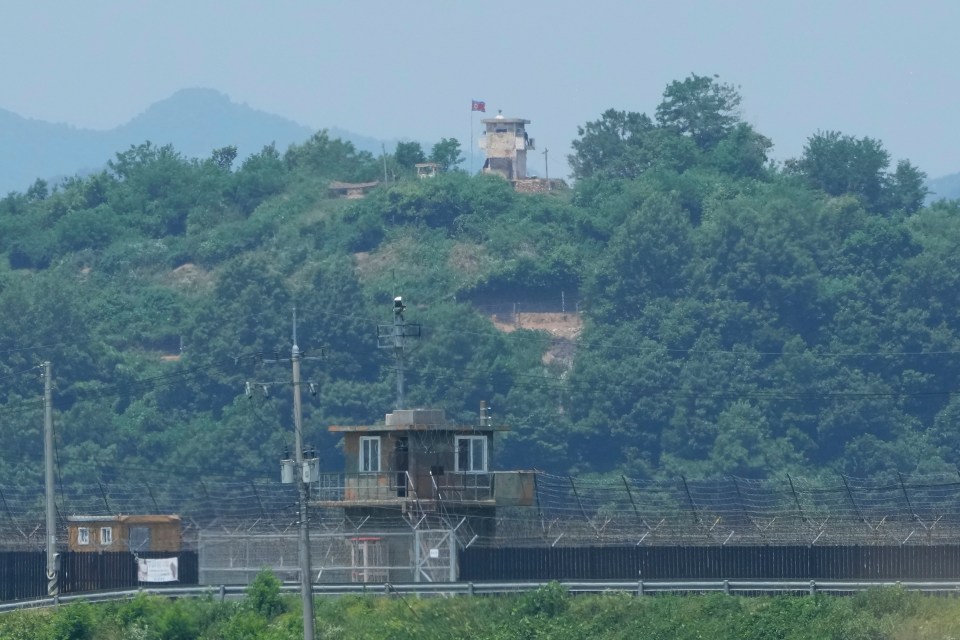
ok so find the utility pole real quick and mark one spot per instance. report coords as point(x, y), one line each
point(383, 153)
point(306, 581)
point(53, 570)
point(546, 166)
point(394, 337)
point(304, 473)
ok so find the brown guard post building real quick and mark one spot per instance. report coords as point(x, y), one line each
point(417, 465)
point(124, 533)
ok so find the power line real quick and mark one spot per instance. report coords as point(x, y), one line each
point(17, 374)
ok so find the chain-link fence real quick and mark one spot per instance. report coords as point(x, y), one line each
point(356, 555)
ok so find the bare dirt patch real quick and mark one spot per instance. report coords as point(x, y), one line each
point(361, 258)
point(189, 276)
point(564, 327)
point(560, 325)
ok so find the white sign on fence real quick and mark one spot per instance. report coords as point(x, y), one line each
point(157, 569)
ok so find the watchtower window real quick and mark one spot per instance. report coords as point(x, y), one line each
point(471, 454)
point(370, 454)
point(83, 535)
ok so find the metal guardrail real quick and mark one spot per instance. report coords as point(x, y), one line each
point(640, 588)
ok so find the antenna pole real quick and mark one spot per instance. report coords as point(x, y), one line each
point(53, 559)
point(394, 337)
point(398, 350)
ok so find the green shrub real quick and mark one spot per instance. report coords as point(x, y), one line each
point(75, 622)
point(263, 595)
point(549, 600)
point(23, 625)
point(886, 602)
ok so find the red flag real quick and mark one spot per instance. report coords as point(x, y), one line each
point(478, 105)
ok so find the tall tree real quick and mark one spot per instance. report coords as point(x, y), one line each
point(224, 157)
point(625, 144)
point(838, 164)
point(906, 189)
point(408, 154)
point(446, 153)
point(701, 108)
point(742, 153)
point(329, 157)
point(613, 145)
point(260, 176)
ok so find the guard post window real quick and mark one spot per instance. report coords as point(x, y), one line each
point(83, 535)
point(471, 454)
point(370, 454)
point(106, 535)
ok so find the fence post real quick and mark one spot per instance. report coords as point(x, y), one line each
point(639, 587)
point(223, 593)
point(813, 588)
point(726, 587)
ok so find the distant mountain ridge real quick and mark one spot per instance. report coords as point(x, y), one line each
point(945, 187)
point(195, 121)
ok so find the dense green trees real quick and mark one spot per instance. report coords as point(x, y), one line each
point(696, 123)
point(700, 108)
point(837, 165)
point(739, 317)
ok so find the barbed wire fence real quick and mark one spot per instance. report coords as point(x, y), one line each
point(565, 511)
point(738, 511)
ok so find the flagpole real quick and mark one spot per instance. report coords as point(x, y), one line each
point(475, 105)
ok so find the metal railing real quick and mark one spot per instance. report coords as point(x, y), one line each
point(639, 588)
point(400, 486)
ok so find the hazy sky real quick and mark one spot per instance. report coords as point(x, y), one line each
point(394, 69)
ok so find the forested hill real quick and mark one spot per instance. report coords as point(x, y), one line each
point(738, 317)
